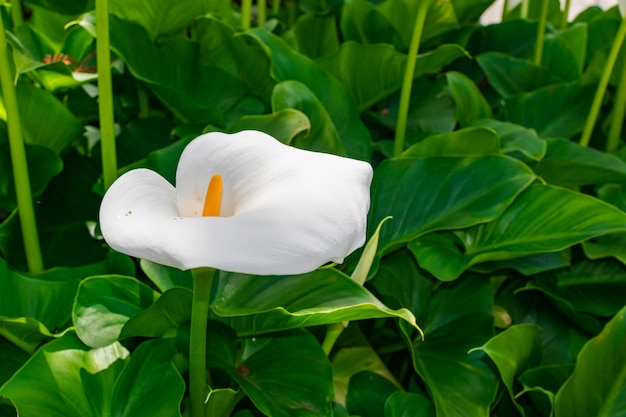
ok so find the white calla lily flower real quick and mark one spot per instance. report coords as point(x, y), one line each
point(271, 209)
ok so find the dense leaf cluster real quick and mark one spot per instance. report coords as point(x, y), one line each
point(506, 247)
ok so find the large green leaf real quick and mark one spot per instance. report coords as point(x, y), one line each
point(598, 385)
point(201, 94)
point(322, 137)
point(471, 105)
point(532, 224)
point(440, 193)
point(553, 111)
point(67, 379)
point(316, 36)
point(367, 394)
point(515, 350)
point(285, 375)
point(568, 164)
point(284, 125)
point(105, 303)
point(255, 304)
point(565, 52)
point(510, 76)
point(405, 404)
point(458, 319)
point(288, 64)
point(589, 287)
point(516, 139)
point(164, 16)
point(56, 126)
point(462, 142)
point(385, 68)
point(35, 307)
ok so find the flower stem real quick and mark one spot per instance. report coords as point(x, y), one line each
point(275, 7)
point(202, 284)
point(541, 33)
point(261, 17)
point(604, 81)
point(525, 7)
point(505, 8)
point(16, 13)
point(105, 94)
point(333, 331)
point(144, 102)
point(23, 192)
point(246, 14)
point(619, 109)
point(407, 84)
point(565, 14)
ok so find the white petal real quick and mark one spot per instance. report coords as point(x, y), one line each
point(288, 211)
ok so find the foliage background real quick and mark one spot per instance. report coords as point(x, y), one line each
point(506, 244)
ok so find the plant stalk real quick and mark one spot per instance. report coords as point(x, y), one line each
point(105, 94)
point(16, 13)
point(333, 331)
point(617, 120)
point(246, 14)
point(505, 8)
point(24, 195)
point(202, 284)
point(525, 9)
point(261, 16)
point(275, 7)
point(565, 15)
point(604, 82)
point(407, 84)
point(541, 33)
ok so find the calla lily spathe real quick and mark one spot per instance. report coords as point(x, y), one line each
point(283, 210)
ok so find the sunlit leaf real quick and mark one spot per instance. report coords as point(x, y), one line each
point(471, 105)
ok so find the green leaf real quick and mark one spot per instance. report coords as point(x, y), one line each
point(553, 111)
point(471, 105)
point(385, 68)
point(367, 394)
point(565, 52)
point(165, 277)
point(284, 125)
point(67, 379)
point(515, 350)
point(162, 16)
point(287, 64)
point(105, 303)
point(255, 304)
point(589, 287)
point(541, 384)
point(43, 165)
point(531, 224)
point(601, 370)
point(568, 164)
point(349, 361)
point(264, 369)
point(67, 7)
point(56, 127)
point(362, 269)
point(194, 96)
point(510, 76)
point(516, 139)
point(405, 404)
point(316, 36)
point(442, 193)
point(323, 136)
point(472, 141)
point(458, 319)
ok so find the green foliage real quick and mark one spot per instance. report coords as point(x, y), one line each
point(505, 247)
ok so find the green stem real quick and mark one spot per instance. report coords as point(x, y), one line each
point(202, 284)
point(275, 7)
point(23, 192)
point(105, 94)
point(407, 84)
point(246, 14)
point(261, 16)
point(604, 81)
point(525, 8)
point(617, 120)
point(541, 32)
point(144, 102)
point(333, 331)
point(505, 8)
point(16, 13)
point(565, 15)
